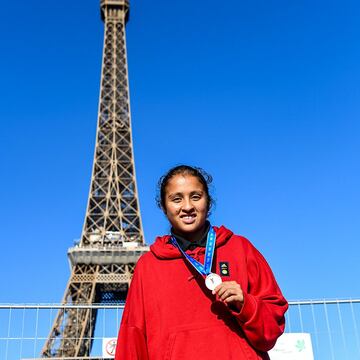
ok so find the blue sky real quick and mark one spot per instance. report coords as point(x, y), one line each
point(263, 95)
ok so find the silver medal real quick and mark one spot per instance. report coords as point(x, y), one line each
point(212, 281)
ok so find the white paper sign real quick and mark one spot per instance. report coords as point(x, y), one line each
point(108, 348)
point(292, 346)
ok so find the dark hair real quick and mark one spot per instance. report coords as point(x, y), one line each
point(204, 178)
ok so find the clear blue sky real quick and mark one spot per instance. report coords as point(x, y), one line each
point(264, 95)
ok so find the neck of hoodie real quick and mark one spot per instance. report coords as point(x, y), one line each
point(187, 244)
point(163, 249)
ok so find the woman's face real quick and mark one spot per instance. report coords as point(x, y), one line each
point(186, 205)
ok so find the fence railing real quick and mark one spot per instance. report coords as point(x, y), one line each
point(333, 326)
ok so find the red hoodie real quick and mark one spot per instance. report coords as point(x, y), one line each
point(170, 314)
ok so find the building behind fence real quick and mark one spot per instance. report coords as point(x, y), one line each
point(333, 326)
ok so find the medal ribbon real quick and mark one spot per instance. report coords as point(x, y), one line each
point(209, 253)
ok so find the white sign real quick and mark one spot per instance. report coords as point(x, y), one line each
point(108, 348)
point(292, 346)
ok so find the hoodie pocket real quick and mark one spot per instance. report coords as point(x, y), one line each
point(208, 343)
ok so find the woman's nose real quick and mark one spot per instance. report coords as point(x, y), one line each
point(188, 205)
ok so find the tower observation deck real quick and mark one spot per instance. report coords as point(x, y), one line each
point(112, 238)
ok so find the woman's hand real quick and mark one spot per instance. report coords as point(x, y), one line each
point(230, 293)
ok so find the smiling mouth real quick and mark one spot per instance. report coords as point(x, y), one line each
point(188, 219)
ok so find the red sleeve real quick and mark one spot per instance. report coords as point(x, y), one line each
point(262, 315)
point(131, 343)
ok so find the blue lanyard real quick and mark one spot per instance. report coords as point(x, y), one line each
point(209, 253)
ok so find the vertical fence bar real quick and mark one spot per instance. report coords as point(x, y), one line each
point(329, 332)
point(117, 317)
point(77, 322)
point(288, 320)
point(355, 327)
point(36, 330)
point(22, 332)
point(301, 320)
point(8, 336)
point(342, 329)
point(315, 327)
point(50, 317)
point(104, 322)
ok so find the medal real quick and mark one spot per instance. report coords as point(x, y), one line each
point(212, 281)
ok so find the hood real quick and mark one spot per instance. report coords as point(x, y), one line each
point(163, 249)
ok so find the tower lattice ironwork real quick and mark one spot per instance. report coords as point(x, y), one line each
point(112, 238)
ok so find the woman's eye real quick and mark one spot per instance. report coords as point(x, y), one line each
point(196, 197)
point(177, 199)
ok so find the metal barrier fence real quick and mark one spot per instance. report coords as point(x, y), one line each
point(332, 324)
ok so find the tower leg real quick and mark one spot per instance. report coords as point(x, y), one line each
point(73, 328)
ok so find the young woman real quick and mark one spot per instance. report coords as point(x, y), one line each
point(202, 292)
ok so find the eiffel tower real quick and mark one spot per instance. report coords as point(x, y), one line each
point(112, 238)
